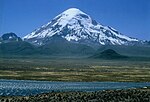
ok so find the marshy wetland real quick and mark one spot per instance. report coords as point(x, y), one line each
point(74, 69)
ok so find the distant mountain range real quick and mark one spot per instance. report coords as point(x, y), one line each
point(72, 32)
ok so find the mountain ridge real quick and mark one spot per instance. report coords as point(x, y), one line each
point(61, 47)
point(9, 37)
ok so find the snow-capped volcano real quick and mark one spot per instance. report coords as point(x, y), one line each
point(76, 26)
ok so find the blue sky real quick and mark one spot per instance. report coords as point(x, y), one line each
point(130, 17)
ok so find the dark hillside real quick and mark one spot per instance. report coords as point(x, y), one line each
point(108, 54)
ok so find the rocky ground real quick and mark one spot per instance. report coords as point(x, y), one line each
point(129, 95)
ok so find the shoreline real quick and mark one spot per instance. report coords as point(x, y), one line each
point(124, 95)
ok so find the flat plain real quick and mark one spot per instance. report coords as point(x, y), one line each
point(74, 69)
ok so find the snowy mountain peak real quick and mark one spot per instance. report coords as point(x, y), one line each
point(69, 15)
point(76, 26)
point(72, 12)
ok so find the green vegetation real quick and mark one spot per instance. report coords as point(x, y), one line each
point(75, 69)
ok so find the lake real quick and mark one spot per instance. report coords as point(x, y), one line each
point(28, 87)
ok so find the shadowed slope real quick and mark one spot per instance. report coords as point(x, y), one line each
point(108, 54)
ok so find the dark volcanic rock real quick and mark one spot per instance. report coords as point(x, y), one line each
point(130, 95)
